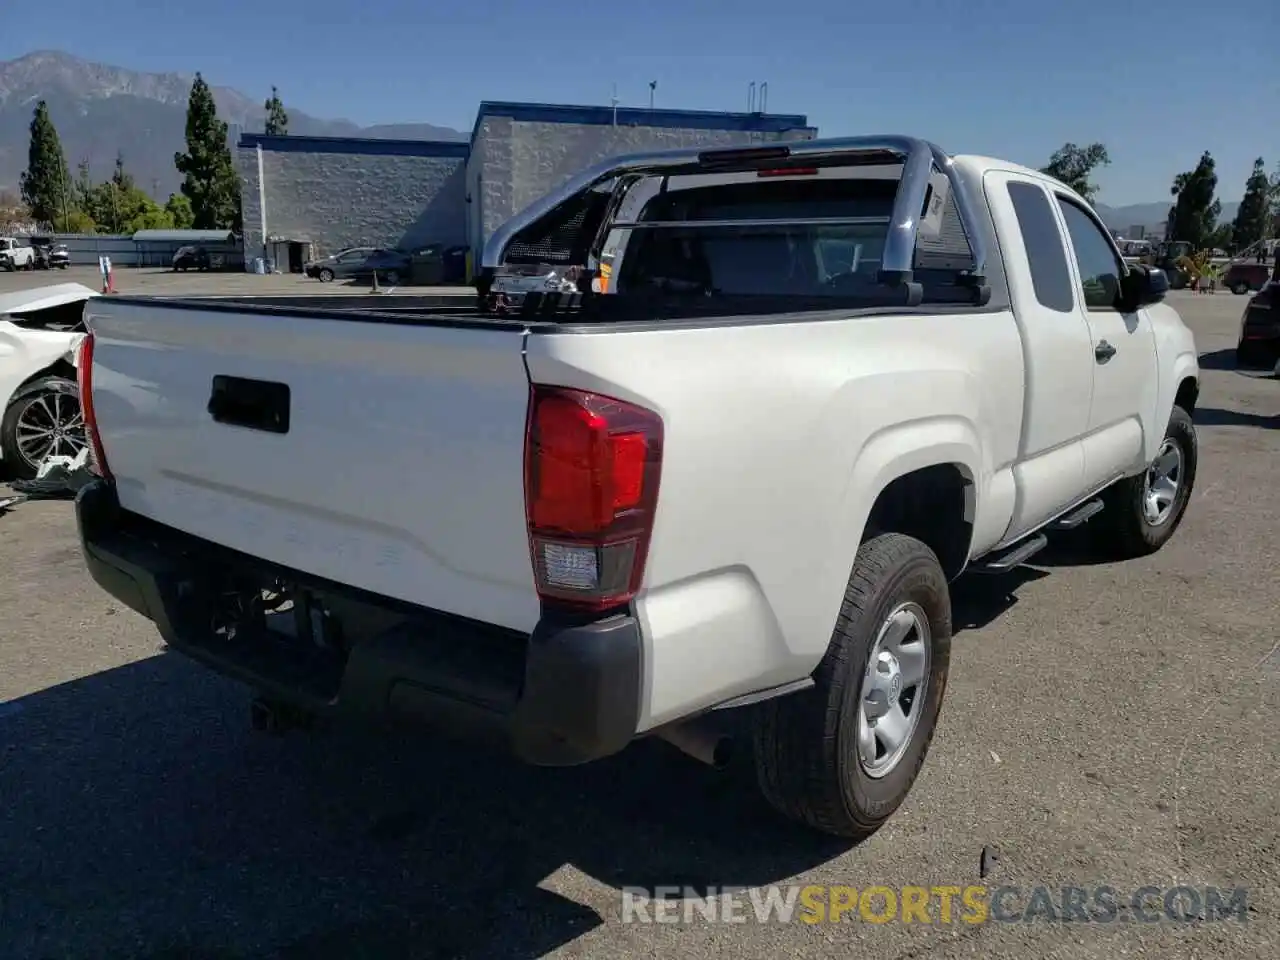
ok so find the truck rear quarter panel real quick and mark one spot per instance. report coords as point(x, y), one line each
point(778, 437)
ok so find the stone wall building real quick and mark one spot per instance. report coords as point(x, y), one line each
point(324, 194)
point(311, 196)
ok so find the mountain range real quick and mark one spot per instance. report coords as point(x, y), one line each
point(101, 111)
point(1151, 214)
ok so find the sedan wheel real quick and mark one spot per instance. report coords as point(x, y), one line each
point(44, 420)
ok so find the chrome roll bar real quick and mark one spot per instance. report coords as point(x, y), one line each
point(919, 159)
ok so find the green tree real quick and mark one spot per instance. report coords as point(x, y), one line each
point(45, 181)
point(119, 206)
point(1255, 209)
point(209, 178)
point(1223, 238)
point(1274, 192)
point(179, 210)
point(1195, 211)
point(76, 221)
point(277, 119)
point(82, 188)
point(1074, 165)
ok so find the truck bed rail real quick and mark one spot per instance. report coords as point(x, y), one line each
point(919, 193)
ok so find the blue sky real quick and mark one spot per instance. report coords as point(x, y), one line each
point(1156, 82)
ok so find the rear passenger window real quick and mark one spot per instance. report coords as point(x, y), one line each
point(1100, 268)
point(1046, 254)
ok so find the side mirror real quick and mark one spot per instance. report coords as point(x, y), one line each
point(1143, 286)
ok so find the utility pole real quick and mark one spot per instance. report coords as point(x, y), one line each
point(614, 101)
point(653, 85)
point(65, 188)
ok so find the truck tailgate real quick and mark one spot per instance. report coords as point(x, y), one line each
point(399, 468)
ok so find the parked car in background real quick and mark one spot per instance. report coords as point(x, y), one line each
point(52, 256)
point(1242, 278)
point(1258, 345)
point(191, 258)
point(360, 263)
point(16, 254)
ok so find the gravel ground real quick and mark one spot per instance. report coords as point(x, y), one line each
point(1104, 724)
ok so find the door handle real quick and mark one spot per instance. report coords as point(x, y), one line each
point(1103, 351)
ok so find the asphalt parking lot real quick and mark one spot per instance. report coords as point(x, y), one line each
point(1113, 724)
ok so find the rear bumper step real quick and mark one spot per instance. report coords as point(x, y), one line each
point(566, 694)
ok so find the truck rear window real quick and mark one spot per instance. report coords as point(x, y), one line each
point(810, 250)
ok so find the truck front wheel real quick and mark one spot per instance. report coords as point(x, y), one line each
point(842, 756)
point(1142, 512)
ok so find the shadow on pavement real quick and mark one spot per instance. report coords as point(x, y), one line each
point(980, 599)
point(1226, 360)
point(1219, 360)
point(142, 819)
point(1216, 417)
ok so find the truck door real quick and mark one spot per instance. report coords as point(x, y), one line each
point(1124, 350)
point(1048, 473)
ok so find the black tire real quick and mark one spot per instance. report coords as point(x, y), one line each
point(392, 277)
point(325, 275)
point(15, 463)
point(1122, 530)
point(1239, 288)
point(806, 752)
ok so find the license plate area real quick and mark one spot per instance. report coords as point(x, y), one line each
point(281, 630)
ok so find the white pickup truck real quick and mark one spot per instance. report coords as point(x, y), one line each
point(16, 255)
point(821, 381)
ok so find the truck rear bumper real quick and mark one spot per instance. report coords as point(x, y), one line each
point(566, 694)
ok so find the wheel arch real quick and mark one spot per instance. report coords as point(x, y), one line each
point(62, 367)
point(1188, 394)
point(922, 480)
point(935, 505)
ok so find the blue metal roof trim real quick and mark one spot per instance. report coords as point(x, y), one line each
point(640, 117)
point(457, 149)
point(183, 236)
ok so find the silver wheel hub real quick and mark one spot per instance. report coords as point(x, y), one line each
point(1161, 483)
point(893, 689)
point(50, 425)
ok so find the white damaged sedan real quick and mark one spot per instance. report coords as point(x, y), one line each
point(40, 330)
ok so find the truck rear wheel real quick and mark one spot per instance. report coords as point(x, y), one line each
point(842, 756)
point(1143, 512)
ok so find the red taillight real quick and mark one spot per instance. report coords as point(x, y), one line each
point(84, 377)
point(591, 486)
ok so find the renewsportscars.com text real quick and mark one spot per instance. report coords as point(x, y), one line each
point(942, 905)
